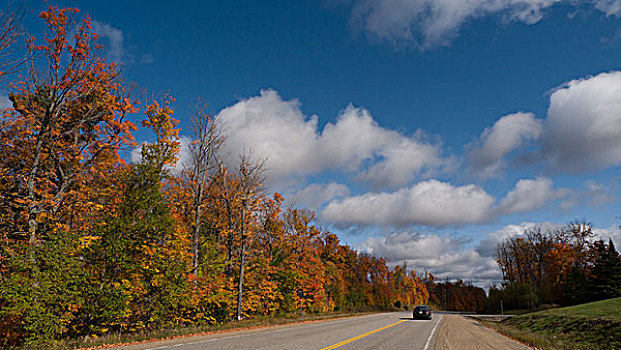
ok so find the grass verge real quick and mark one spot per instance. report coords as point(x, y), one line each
point(594, 325)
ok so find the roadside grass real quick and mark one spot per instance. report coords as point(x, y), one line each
point(594, 325)
point(112, 339)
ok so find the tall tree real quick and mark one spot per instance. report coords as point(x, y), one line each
point(64, 123)
point(606, 272)
point(251, 182)
point(203, 151)
point(9, 32)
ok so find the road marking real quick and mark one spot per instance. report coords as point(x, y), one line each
point(347, 341)
point(431, 335)
point(251, 333)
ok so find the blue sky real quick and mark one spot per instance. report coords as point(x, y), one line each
point(420, 130)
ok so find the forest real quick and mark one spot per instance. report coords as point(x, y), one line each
point(564, 266)
point(92, 244)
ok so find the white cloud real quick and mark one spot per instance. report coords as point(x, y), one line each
point(431, 203)
point(113, 41)
point(273, 129)
point(598, 194)
point(293, 145)
point(530, 194)
point(581, 134)
point(593, 193)
point(613, 232)
point(136, 154)
point(4, 100)
point(609, 7)
point(583, 130)
point(433, 23)
point(396, 158)
point(444, 257)
point(314, 196)
point(451, 258)
point(508, 133)
point(439, 204)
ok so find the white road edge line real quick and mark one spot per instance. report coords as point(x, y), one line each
point(431, 335)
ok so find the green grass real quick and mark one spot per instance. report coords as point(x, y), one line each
point(594, 325)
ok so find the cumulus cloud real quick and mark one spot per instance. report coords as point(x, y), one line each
point(451, 258)
point(530, 194)
point(293, 145)
point(443, 256)
point(613, 233)
point(315, 195)
point(431, 203)
point(583, 130)
point(512, 131)
point(432, 23)
point(439, 204)
point(581, 134)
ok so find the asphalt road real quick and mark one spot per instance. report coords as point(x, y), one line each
point(379, 331)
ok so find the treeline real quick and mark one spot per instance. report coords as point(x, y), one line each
point(91, 244)
point(566, 266)
point(456, 296)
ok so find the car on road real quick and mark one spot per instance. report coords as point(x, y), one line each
point(421, 311)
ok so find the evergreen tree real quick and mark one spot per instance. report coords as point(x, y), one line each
point(606, 282)
point(576, 287)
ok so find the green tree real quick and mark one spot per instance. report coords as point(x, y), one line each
point(37, 300)
point(576, 288)
point(606, 281)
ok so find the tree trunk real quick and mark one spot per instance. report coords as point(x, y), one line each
point(240, 285)
point(195, 245)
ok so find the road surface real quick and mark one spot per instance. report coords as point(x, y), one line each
point(392, 331)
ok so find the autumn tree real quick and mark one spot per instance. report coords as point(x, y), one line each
point(92, 244)
point(548, 260)
point(251, 183)
point(66, 122)
point(238, 193)
point(140, 257)
point(207, 141)
point(65, 128)
point(9, 32)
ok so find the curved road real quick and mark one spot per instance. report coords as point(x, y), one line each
point(392, 331)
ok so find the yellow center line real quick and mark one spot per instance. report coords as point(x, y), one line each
point(347, 341)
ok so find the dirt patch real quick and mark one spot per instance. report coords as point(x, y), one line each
point(457, 332)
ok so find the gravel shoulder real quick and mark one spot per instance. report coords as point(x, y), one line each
point(458, 332)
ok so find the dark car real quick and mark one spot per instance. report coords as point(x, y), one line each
point(421, 311)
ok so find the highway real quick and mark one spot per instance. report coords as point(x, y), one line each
point(393, 331)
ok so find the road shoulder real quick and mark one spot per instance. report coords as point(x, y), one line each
point(458, 332)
